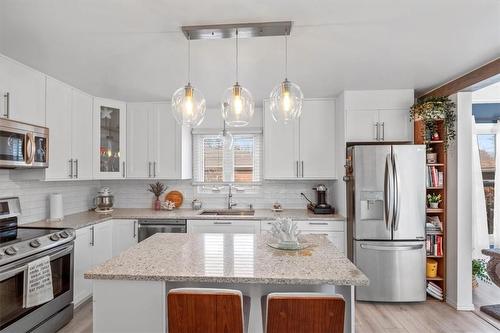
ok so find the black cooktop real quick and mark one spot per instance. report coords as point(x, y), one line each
point(14, 235)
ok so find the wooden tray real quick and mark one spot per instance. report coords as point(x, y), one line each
point(176, 197)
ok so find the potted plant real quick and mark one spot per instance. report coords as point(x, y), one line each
point(157, 189)
point(433, 199)
point(431, 110)
point(479, 272)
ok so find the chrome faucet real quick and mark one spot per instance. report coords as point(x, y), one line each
point(230, 203)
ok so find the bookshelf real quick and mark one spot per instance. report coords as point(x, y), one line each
point(440, 166)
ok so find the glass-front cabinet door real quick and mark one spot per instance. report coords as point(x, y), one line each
point(109, 139)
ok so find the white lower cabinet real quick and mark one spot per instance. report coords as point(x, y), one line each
point(93, 246)
point(124, 235)
point(224, 226)
point(334, 230)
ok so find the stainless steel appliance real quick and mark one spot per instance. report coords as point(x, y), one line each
point(386, 208)
point(148, 228)
point(104, 201)
point(23, 145)
point(321, 206)
point(18, 247)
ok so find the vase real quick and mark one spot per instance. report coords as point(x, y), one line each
point(157, 204)
point(434, 204)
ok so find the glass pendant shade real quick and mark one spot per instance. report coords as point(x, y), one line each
point(237, 106)
point(286, 102)
point(188, 106)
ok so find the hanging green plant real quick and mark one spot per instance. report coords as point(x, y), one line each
point(432, 109)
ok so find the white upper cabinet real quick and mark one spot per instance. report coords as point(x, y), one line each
point(81, 135)
point(304, 148)
point(317, 140)
point(69, 119)
point(59, 97)
point(157, 146)
point(22, 92)
point(109, 139)
point(378, 115)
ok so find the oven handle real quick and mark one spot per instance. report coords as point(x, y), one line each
point(9, 272)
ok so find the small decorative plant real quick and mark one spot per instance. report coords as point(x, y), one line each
point(157, 189)
point(433, 199)
point(479, 272)
point(432, 109)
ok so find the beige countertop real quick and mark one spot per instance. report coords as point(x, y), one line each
point(80, 220)
point(230, 258)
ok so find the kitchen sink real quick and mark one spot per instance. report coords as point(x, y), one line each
point(228, 212)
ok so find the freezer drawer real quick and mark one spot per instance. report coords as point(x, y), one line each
point(396, 271)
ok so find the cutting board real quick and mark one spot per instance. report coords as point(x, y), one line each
point(176, 197)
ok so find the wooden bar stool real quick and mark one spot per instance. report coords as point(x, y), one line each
point(205, 310)
point(304, 313)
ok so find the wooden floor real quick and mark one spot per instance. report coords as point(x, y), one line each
point(428, 317)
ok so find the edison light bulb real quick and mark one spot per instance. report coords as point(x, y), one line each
point(287, 103)
point(188, 106)
point(237, 106)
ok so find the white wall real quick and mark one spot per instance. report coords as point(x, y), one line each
point(489, 94)
point(34, 195)
point(459, 209)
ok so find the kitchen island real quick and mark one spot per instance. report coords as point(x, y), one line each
point(130, 289)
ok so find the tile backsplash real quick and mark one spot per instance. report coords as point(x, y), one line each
point(78, 195)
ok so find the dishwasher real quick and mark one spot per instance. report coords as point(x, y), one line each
point(148, 228)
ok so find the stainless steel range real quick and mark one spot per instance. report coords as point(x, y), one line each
point(19, 246)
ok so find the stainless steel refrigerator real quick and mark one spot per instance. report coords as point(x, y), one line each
point(386, 207)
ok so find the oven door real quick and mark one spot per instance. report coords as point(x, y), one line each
point(13, 316)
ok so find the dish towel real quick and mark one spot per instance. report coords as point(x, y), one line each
point(38, 282)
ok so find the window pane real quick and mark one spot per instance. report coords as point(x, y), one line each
point(487, 148)
point(243, 159)
point(212, 159)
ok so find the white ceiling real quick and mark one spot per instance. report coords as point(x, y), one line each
point(133, 50)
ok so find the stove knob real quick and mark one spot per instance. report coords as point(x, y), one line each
point(35, 243)
point(54, 237)
point(10, 251)
point(64, 234)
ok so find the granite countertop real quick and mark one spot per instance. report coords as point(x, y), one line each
point(230, 258)
point(81, 220)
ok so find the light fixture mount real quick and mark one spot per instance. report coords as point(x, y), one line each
point(245, 30)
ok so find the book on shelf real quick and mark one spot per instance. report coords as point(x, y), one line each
point(434, 177)
point(434, 290)
point(433, 224)
point(434, 245)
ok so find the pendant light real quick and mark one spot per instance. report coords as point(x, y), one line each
point(227, 138)
point(188, 103)
point(237, 103)
point(286, 98)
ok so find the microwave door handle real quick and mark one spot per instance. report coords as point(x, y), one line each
point(397, 192)
point(388, 193)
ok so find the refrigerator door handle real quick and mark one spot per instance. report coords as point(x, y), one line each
point(388, 192)
point(391, 248)
point(397, 192)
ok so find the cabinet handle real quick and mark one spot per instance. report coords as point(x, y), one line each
point(154, 169)
point(123, 170)
point(297, 168)
point(76, 168)
point(383, 131)
point(149, 169)
point(135, 230)
point(318, 223)
point(302, 169)
point(7, 105)
point(375, 132)
point(219, 222)
point(70, 168)
point(92, 236)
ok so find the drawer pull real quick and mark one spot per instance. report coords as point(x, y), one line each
point(218, 222)
point(318, 223)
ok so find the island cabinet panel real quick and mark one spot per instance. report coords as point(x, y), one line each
point(93, 246)
point(223, 226)
point(124, 235)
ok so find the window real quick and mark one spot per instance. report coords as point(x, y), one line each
point(214, 162)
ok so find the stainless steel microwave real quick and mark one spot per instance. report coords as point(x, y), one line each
point(23, 145)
